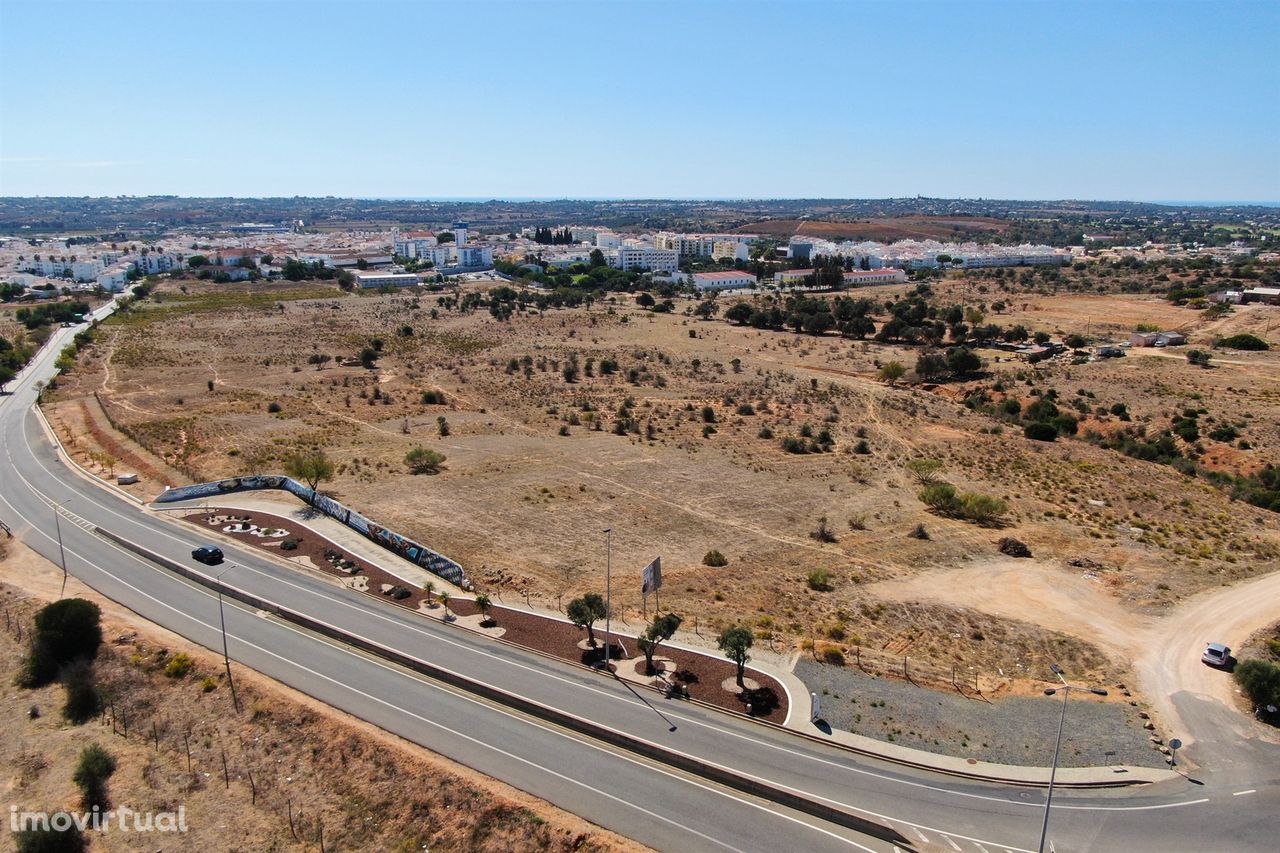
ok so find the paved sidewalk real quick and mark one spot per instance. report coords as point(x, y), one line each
point(335, 531)
point(774, 663)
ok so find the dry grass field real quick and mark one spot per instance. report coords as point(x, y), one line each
point(219, 381)
point(285, 754)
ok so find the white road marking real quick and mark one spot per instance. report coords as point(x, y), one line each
point(947, 839)
point(923, 837)
point(1242, 793)
point(399, 671)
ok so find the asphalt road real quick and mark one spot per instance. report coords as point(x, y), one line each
point(1231, 808)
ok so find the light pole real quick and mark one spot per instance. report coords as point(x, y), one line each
point(608, 591)
point(1057, 748)
point(222, 620)
point(62, 554)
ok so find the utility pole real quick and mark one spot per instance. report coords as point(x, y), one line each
point(62, 554)
point(222, 620)
point(608, 591)
point(1053, 772)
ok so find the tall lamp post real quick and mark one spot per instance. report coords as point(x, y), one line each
point(62, 554)
point(1057, 748)
point(222, 621)
point(608, 591)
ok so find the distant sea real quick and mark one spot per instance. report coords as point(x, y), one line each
point(520, 198)
point(1218, 203)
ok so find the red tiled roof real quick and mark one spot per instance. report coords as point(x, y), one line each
point(418, 235)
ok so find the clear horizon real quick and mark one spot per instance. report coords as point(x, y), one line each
point(704, 101)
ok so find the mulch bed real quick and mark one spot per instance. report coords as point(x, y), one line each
point(701, 674)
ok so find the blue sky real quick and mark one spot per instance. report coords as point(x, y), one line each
point(719, 98)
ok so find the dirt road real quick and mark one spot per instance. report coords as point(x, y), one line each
point(1164, 652)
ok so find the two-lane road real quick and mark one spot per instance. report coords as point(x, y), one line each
point(653, 804)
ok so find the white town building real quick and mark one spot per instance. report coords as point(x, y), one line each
point(645, 258)
point(725, 280)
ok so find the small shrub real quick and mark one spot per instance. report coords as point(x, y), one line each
point(835, 657)
point(424, 460)
point(93, 769)
point(1040, 432)
point(1013, 547)
point(715, 559)
point(824, 533)
point(209, 684)
point(819, 580)
point(273, 407)
point(290, 544)
point(179, 665)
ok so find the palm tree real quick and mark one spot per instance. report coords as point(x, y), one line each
point(484, 603)
point(429, 591)
point(444, 600)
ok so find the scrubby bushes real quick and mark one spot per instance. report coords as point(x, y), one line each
point(424, 460)
point(1040, 431)
point(66, 631)
point(1260, 681)
point(943, 499)
point(1245, 341)
point(715, 559)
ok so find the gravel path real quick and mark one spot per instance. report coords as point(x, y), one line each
point(1016, 730)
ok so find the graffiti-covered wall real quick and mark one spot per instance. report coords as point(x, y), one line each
point(408, 549)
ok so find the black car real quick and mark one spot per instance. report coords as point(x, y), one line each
point(208, 554)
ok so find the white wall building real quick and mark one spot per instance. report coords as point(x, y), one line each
point(114, 279)
point(412, 243)
point(608, 240)
point(154, 263)
point(474, 256)
point(889, 275)
point(725, 280)
point(731, 249)
point(637, 258)
point(370, 280)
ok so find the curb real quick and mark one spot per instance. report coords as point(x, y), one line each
point(1117, 778)
point(713, 772)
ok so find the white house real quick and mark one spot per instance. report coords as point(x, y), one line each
point(114, 279)
point(725, 280)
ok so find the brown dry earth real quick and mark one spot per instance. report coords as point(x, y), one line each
point(521, 505)
point(365, 789)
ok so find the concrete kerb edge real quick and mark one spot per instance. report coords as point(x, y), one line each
point(647, 749)
point(1116, 779)
point(920, 764)
point(75, 466)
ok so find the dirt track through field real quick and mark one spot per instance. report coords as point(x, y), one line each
point(1164, 652)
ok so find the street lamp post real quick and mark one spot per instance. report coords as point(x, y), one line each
point(62, 554)
point(222, 621)
point(608, 591)
point(1057, 748)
